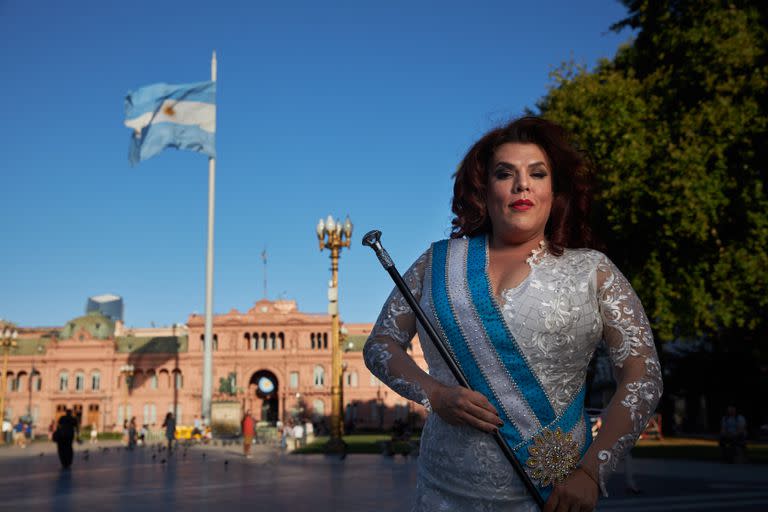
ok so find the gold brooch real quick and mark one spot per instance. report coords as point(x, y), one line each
point(553, 456)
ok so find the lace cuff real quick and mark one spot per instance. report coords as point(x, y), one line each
point(628, 336)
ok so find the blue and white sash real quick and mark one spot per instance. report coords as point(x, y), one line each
point(469, 319)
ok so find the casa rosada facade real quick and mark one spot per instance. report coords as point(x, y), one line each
point(273, 359)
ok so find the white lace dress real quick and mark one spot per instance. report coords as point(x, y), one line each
point(558, 315)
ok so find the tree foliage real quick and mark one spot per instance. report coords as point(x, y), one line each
point(677, 127)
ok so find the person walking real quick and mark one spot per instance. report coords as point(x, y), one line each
point(63, 436)
point(248, 429)
point(132, 433)
point(94, 434)
point(7, 431)
point(18, 434)
point(169, 423)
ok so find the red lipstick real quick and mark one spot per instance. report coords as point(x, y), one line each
point(522, 205)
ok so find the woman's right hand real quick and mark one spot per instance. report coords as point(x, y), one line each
point(460, 406)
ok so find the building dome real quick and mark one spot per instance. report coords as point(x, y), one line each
point(97, 325)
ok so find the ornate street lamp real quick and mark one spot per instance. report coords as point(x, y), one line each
point(8, 341)
point(333, 235)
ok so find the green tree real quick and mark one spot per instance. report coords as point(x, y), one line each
point(677, 127)
point(676, 124)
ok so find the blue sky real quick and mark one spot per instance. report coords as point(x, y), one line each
point(361, 108)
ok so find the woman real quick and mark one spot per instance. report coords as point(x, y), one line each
point(169, 423)
point(523, 304)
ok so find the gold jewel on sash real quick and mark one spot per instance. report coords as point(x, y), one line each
point(553, 456)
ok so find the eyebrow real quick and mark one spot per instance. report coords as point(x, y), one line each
point(513, 167)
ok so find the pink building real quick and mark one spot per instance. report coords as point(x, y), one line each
point(276, 359)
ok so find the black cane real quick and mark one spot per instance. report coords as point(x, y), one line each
point(373, 240)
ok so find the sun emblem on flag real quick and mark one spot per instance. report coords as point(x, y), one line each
point(553, 456)
point(168, 110)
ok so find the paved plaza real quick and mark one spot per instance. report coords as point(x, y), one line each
point(218, 478)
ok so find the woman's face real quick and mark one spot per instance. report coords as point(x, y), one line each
point(519, 196)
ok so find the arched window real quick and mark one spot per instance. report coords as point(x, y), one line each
point(37, 381)
point(95, 380)
point(312, 337)
point(123, 414)
point(63, 381)
point(215, 342)
point(9, 382)
point(21, 381)
point(178, 380)
point(325, 340)
point(281, 337)
point(351, 379)
point(150, 414)
point(318, 408)
point(319, 376)
point(152, 379)
point(263, 341)
point(272, 341)
point(165, 379)
point(79, 381)
point(247, 338)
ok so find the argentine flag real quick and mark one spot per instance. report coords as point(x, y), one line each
point(163, 115)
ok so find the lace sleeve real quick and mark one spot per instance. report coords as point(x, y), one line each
point(385, 350)
point(629, 339)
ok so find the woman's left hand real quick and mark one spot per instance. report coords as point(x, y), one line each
point(577, 493)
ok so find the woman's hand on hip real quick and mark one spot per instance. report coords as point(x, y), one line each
point(577, 494)
point(460, 406)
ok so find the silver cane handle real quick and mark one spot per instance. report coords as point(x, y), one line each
point(373, 240)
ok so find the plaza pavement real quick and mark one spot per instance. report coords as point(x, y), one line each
point(218, 478)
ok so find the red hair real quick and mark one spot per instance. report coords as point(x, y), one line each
point(568, 224)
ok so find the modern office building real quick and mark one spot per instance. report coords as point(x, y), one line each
point(108, 305)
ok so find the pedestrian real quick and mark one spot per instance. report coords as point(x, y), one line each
point(132, 433)
point(28, 432)
point(7, 431)
point(169, 423)
point(64, 436)
point(248, 425)
point(733, 435)
point(18, 434)
point(298, 435)
point(94, 433)
point(522, 300)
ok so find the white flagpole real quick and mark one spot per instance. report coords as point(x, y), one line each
point(208, 349)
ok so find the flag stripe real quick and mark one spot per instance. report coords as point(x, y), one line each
point(180, 112)
point(157, 137)
point(147, 99)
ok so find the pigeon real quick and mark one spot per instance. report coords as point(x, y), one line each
point(154, 457)
point(41, 454)
point(226, 465)
point(162, 461)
